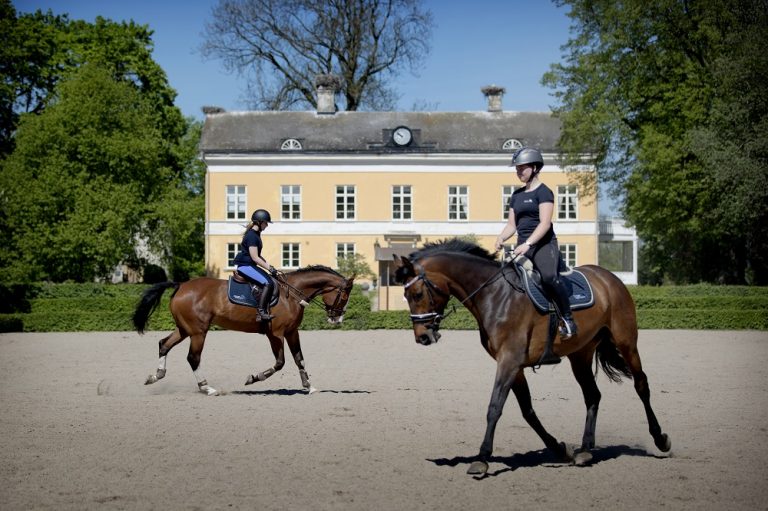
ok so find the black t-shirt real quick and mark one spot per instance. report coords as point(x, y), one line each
point(526, 207)
point(250, 239)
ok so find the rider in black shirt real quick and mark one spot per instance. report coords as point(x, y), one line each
point(530, 215)
point(250, 263)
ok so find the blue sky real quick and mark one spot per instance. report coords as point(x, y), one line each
point(475, 43)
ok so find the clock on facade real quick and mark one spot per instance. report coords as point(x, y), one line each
point(402, 136)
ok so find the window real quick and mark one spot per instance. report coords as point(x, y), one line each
point(567, 202)
point(569, 254)
point(290, 144)
point(290, 202)
point(291, 255)
point(344, 249)
point(458, 203)
point(506, 193)
point(511, 145)
point(616, 255)
point(232, 250)
point(345, 202)
point(235, 202)
point(401, 202)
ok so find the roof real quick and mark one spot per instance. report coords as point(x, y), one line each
point(370, 132)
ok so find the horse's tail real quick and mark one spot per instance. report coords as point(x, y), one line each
point(150, 299)
point(608, 356)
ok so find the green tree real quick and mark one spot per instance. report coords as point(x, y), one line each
point(355, 265)
point(283, 45)
point(40, 49)
point(644, 88)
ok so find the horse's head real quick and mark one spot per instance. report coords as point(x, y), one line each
point(335, 299)
point(427, 295)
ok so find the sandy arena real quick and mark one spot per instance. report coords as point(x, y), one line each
point(393, 425)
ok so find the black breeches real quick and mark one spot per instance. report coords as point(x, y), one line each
point(546, 258)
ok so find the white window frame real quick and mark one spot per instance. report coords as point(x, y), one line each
point(236, 202)
point(290, 203)
point(290, 255)
point(570, 253)
point(458, 203)
point(403, 200)
point(506, 193)
point(567, 203)
point(232, 250)
point(343, 249)
point(346, 197)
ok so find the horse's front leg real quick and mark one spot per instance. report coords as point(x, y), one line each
point(278, 350)
point(580, 365)
point(505, 373)
point(523, 395)
point(294, 344)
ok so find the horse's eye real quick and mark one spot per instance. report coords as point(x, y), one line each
point(417, 296)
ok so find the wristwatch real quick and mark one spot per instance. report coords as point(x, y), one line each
point(528, 243)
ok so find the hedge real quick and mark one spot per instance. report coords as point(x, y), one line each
point(44, 307)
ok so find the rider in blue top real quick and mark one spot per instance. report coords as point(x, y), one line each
point(251, 264)
point(530, 215)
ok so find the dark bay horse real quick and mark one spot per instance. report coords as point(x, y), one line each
point(202, 302)
point(514, 334)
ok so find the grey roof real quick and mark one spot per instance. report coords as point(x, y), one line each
point(369, 132)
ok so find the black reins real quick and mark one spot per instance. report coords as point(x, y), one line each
point(333, 310)
point(435, 317)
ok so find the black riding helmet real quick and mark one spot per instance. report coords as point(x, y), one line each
point(261, 215)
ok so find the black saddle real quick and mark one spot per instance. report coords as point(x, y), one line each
point(580, 293)
point(239, 291)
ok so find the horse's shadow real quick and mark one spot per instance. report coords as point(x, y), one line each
point(544, 457)
point(293, 392)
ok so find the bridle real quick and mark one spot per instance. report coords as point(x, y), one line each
point(332, 311)
point(431, 320)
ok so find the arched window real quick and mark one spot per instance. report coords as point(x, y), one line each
point(291, 144)
point(511, 145)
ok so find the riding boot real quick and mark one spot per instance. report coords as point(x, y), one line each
point(568, 328)
point(264, 299)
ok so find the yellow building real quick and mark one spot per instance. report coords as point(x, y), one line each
point(376, 183)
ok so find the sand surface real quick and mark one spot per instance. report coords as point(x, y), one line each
point(394, 425)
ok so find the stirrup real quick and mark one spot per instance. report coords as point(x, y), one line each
point(568, 329)
point(265, 316)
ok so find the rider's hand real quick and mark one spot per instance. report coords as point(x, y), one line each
point(272, 271)
point(521, 249)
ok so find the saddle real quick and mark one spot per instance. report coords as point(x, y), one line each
point(239, 291)
point(580, 293)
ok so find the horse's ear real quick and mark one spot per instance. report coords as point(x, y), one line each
point(403, 266)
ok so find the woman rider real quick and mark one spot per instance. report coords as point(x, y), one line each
point(250, 263)
point(530, 214)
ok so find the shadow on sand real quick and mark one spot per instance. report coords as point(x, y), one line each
point(294, 392)
point(544, 457)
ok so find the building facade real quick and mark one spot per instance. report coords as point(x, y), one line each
point(377, 184)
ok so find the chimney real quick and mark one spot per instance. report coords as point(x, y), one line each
point(327, 86)
point(494, 93)
point(212, 110)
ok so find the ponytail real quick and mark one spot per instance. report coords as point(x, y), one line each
point(249, 227)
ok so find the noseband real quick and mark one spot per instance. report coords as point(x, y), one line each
point(431, 319)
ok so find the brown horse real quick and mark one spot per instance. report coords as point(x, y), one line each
point(515, 334)
point(199, 303)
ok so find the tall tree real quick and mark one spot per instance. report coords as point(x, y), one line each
point(645, 89)
point(283, 44)
point(40, 49)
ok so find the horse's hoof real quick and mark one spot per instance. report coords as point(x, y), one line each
point(311, 390)
point(150, 379)
point(478, 468)
point(566, 452)
point(251, 380)
point(663, 443)
point(210, 391)
point(582, 458)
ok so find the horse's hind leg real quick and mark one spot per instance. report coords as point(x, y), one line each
point(632, 357)
point(277, 345)
point(196, 343)
point(165, 346)
point(581, 366)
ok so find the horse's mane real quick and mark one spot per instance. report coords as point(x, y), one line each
point(452, 245)
point(319, 267)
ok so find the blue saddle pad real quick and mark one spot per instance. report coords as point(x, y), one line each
point(579, 290)
point(240, 293)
